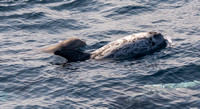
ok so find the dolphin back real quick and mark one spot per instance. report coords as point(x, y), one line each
point(135, 45)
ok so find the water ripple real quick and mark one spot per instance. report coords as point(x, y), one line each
point(11, 7)
point(128, 11)
point(168, 78)
point(78, 5)
point(53, 25)
point(29, 16)
point(175, 75)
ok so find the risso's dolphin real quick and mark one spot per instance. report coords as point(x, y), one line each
point(134, 45)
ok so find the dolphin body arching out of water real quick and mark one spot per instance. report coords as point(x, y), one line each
point(134, 45)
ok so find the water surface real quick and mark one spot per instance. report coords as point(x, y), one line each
point(29, 80)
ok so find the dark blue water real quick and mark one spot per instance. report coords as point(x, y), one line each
point(169, 78)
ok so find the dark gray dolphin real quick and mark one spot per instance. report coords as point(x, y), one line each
point(72, 43)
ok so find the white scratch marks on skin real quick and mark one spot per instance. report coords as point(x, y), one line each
point(131, 45)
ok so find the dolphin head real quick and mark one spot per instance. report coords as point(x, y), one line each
point(71, 43)
point(156, 39)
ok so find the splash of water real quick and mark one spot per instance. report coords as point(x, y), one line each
point(169, 40)
point(58, 60)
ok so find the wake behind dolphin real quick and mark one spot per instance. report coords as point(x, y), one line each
point(134, 45)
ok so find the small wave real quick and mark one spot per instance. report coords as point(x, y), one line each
point(42, 1)
point(171, 4)
point(53, 25)
point(128, 10)
point(175, 74)
point(11, 7)
point(78, 5)
point(32, 15)
point(175, 85)
point(4, 97)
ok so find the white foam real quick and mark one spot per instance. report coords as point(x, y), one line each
point(169, 40)
point(58, 60)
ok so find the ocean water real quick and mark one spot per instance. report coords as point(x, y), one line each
point(169, 78)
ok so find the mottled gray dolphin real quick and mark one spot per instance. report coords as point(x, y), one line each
point(134, 45)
